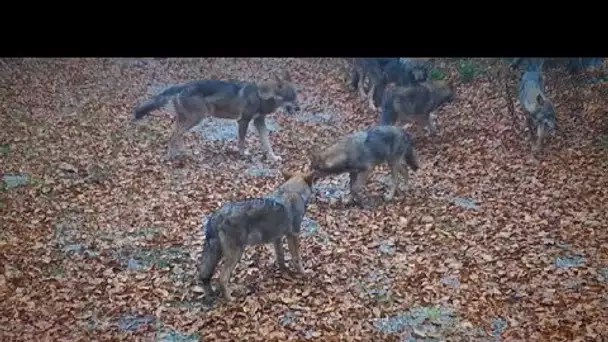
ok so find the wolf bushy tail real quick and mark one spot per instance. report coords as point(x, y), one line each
point(410, 157)
point(212, 253)
point(156, 102)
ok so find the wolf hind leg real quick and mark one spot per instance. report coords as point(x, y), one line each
point(212, 254)
point(189, 114)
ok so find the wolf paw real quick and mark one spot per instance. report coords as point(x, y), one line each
point(300, 270)
point(354, 200)
point(282, 267)
point(274, 158)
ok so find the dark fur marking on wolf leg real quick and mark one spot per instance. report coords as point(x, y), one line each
point(212, 253)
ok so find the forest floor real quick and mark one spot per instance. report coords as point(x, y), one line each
point(100, 235)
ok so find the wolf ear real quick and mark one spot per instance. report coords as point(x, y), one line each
point(287, 174)
point(265, 92)
point(309, 178)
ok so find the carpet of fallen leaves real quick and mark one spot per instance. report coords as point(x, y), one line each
point(101, 198)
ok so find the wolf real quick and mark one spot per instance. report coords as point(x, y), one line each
point(403, 72)
point(254, 221)
point(540, 112)
point(367, 69)
point(359, 152)
point(384, 71)
point(401, 104)
point(228, 99)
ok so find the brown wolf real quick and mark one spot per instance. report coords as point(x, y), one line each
point(253, 221)
point(415, 103)
point(358, 153)
point(240, 101)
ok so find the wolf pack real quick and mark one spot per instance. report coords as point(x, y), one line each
point(399, 88)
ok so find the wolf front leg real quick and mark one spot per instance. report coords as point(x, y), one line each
point(540, 133)
point(293, 243)
point(357, 181)
point(354, 78)
point(432, 123)
point(243, 126)
point(361, 85)
point(280, 254)
point(396, 167)
point(370, 97)
point(260, 125)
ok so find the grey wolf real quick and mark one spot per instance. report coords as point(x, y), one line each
point(540, 112)
point(369, 69)
point(253, 221)
point(380, 72)
point(240, 101)
point(359, 152)
point(401, 104)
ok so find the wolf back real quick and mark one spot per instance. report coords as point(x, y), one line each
point(361, 150)
point(402, 103)
point(201, 88)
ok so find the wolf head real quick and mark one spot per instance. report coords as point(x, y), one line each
point(281, 90)
point(298, 182)
point(419, 69)
point(414, 70)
